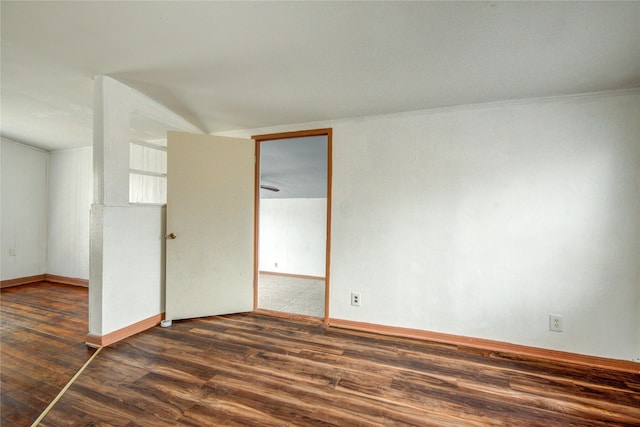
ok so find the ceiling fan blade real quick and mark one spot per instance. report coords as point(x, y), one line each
point(270, 188)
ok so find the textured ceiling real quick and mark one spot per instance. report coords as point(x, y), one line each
point(297, 167)
point(246, 65)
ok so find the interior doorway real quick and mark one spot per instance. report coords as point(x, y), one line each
point(293, 222)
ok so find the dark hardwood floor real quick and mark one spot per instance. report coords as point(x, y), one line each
point(42, 334)
point(256, 370)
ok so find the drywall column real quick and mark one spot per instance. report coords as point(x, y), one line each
point(111, 142)
point(110, 179)
point(126, 278)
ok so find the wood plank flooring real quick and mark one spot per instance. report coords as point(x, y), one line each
point(256, 370)
point(42, 333)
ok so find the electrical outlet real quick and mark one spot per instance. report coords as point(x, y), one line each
point(555, 323)
point(12, 251)
point(355, 299)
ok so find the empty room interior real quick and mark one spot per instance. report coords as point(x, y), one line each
point(320, 213)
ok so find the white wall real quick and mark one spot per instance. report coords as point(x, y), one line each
point(482, 220)
point(70, 196)
point(293, 236)
point(23, 195)
point(45, 211)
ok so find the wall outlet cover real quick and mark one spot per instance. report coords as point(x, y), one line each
point(355, 299)
point(555, 323)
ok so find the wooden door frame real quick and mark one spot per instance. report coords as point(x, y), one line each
point(256, 248)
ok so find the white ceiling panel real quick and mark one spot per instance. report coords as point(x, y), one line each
point(245, 65)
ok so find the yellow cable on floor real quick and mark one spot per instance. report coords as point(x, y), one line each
point(64, 390)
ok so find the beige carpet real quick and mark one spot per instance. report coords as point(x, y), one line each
point(291, 295)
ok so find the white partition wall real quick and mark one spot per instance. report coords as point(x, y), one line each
point(127, 241)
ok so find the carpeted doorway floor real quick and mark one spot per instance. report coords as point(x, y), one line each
point(291, 295)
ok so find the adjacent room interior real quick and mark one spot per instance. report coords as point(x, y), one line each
point(292, 224)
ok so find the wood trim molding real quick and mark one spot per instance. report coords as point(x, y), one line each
point(256, 223)
point(327, 262)
point(66, 280)
point(297, 276)
point(484, 344)
point(299, 134)
point(22, 281)
point(294, 134)
point(44, 278)
point(126, 332)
